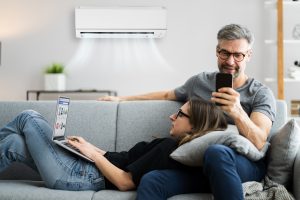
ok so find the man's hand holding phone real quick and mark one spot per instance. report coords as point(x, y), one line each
point(226, 96)
point(223, 83)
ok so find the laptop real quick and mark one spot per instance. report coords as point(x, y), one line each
point(59, 129)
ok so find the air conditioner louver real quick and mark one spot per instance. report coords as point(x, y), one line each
point(120, 22)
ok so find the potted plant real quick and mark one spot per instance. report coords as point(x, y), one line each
point(55, 78)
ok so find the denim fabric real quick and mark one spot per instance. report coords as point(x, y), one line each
point(161, 184)
point(28, 139)
point(223, 173)
point(227, 170)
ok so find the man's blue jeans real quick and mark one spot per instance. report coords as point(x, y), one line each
point(223, 173)
point(28, 139)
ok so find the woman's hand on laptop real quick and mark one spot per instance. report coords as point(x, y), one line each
point(85, 147)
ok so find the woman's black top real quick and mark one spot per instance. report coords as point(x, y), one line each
point(145, 157)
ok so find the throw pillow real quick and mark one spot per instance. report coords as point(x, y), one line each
point(191, 153)
point(282, 153)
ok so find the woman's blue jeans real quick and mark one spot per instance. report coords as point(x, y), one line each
point(223, 173)
point(28, 139)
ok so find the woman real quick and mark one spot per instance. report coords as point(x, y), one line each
point(27, 139)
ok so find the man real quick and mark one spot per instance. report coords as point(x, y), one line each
point(249, 105)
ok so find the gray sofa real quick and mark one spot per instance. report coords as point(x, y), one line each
point(110, 125)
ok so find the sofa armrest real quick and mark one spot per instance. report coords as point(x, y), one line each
point(296, 176)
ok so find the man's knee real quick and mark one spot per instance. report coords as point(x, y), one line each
point(217, 154)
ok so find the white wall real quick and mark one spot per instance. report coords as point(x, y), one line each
point(35, 33)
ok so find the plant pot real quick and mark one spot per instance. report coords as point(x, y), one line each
point(55, 82)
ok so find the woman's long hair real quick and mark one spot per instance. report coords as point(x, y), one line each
point(205, 117)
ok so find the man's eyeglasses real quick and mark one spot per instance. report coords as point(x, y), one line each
point(181, 114)
point(237, 56)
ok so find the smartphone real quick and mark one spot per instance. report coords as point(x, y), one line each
point(223, 80)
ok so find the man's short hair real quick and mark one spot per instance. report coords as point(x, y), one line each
point(235, 32)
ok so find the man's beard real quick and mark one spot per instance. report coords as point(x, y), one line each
point(222, 68)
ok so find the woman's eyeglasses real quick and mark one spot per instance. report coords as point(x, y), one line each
point(180, 113)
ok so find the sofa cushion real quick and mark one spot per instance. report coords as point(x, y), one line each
point(36, 190)
point(114, 195)
point(282, 153)
point(192, 196)
point(191, 153)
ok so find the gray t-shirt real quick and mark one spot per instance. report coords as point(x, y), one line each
point(254, 96)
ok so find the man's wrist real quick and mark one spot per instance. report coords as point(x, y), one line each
point(239, 115)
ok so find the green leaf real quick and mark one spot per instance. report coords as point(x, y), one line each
point(55, 68)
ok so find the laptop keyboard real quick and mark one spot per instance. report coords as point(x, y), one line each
point(71, 146)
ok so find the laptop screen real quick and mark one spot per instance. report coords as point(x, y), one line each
point(61, 117)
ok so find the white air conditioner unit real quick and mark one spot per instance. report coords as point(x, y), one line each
point(120, 22)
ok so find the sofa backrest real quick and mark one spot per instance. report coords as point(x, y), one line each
point(143, 121)
point(94, 120)
point(110, 125)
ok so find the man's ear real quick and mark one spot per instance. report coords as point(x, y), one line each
point(249, 55)
point(217, 49)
